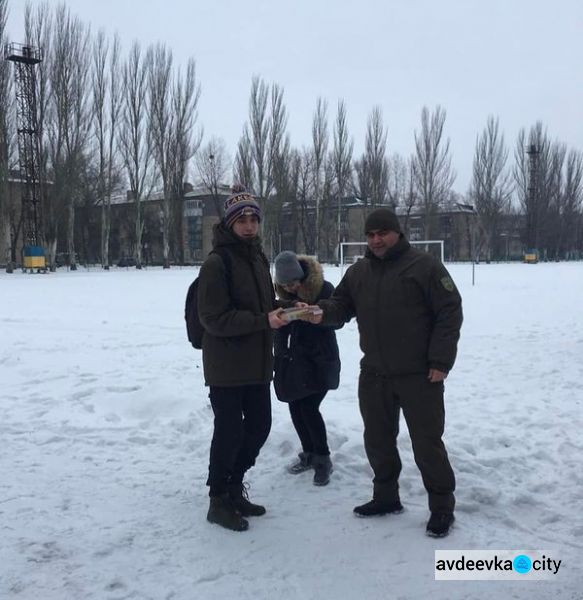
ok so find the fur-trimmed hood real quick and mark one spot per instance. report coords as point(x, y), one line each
point(311, 286)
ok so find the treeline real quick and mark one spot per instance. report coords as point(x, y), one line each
point(106, 123)
point(111, 122)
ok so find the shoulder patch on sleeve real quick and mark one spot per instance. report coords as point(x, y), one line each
point(448, 284)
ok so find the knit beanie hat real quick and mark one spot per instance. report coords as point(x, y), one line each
point(288, 268)
point(382, 219)
point(238, 204)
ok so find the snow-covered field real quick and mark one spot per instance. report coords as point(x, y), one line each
point(105, 427)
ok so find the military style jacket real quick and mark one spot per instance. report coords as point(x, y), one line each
point(408, 310)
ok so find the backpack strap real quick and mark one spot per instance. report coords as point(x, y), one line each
point(227, 262)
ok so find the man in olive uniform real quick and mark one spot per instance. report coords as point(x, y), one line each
point(409, 317)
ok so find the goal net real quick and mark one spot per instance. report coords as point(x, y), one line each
point(350, 252)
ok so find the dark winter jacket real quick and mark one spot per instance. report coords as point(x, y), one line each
point(237, 342)
point(306, 356)
point(408, 310)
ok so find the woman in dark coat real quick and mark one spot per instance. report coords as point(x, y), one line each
point(307, 362)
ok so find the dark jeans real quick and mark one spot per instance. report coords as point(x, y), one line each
point(242, 424)
point(381, 399)
point(309, 424)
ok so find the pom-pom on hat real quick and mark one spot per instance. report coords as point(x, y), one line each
point(240, 203)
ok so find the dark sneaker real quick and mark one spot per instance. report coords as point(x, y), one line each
point(377, 507)
point(322, 469)
point(439, 524)
point(222, 511)
point(304, 463)
point(240, 497)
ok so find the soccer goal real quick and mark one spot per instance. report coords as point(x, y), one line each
point(350, 252)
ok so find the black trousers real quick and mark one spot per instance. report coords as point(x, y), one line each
point(242, 424)
point(309, 424)
point(381, 399)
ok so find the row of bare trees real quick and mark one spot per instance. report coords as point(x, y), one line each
point(106, 123)
point(316, 182)
point(111, 122)
point(540, 201)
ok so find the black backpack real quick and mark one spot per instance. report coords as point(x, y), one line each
point(194, 328)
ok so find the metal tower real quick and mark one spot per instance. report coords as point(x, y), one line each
point(25, 59)
point(533, 152)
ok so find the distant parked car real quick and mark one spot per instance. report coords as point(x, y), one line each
point(126, 261)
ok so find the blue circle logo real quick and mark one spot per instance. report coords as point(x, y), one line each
point(522, 564)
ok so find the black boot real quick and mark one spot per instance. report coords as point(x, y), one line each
point(377, 507)
point(223, 512)
point(240, 498)
point(322, 469)
point(304, 463)
point(439, 524)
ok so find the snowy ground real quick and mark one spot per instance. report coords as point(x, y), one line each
point(105, 427)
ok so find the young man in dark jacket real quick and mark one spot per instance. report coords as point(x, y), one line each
point(307, 362)
point(236, 306)
point(409, 317)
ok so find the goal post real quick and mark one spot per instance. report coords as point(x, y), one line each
point(344, 247)
point(348, 254)
point(433, 247)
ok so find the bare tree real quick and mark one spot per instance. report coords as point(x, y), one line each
point(401, 187)
point(259, 135)
point(160, 126)
point(243, 169)
point(374, 156)
point(571, 203)
point(279, 185)
point(263, 137)
point(258, 164)
point(6, 127)
point(434, 175)
point(107, 99)
point(491, 186)
point(555, 190)
point(362, 183)
point(184, 144)
point(320, 140)
point(305, 185)
point(329, 210)
point(69, 118)
point(342, 165)
point(135, 143)
point(212, 163)
point(397, 180)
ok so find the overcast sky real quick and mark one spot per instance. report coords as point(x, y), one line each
point(520, 60)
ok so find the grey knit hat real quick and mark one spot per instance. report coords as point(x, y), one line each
point(382, 219)
point(287, 268)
